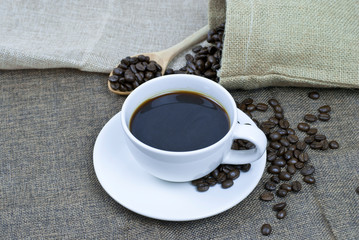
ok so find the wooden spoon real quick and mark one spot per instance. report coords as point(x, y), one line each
point(164, 57)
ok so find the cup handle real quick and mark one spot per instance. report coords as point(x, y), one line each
point(249, 133)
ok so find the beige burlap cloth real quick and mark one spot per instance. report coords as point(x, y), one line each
point(91, 35)
point(288, 43)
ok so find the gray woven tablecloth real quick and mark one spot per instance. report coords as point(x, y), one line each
point(48, 188)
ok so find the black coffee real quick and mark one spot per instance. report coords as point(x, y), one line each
point(179, 121)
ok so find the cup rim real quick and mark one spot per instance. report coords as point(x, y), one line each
point(178, 153)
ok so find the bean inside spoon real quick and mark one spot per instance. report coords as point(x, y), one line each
point(164, 57)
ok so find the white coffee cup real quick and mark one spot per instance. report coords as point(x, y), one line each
point(190, 165)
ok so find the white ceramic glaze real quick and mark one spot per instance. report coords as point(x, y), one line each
point(134, 188)
point(190, 165)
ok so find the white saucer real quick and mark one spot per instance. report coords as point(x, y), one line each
point(131, 186)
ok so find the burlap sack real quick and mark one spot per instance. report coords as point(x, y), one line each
point(288, 43)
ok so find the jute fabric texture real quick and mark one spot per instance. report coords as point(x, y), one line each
point(48, 188)
point(91, 35)
point(288, 43)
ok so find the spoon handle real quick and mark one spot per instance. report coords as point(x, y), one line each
point(189, 41)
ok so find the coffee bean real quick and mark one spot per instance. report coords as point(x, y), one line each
point(282, 131)
point(281, 193)
point(233, 174)
point(285, 176)
point(291, 169)
point(279, 162)
point(301, 145)
point(281, 151)
point(211, 181)
point(310, 118)
point(268, 124)
point(309, 139)
point(202, 188)
point(270, 186)
point(273, 120)
point(309, 179)
point(286, 187)
point(278, 115)
point(262, 107)
point(333, 145)
point(273, 169)
point(304, 127)
point(296, 186)
point(303, 157)
point(312, 131)
point(275, 145)
point(267, 196)
point(281, 214)
point(273, 102)
point(196, 49)
point(266, 229)
point(292, 138)
point(279, 206)
point(325, 145)
point(278, 109)
point(115, 85)
point(247, 101)
point(245, 167)
point(313, 95)
point(307, 170)
point(275, 136)
point(227, 183)
point(292, 161)
point(271, 156)
point(292, 147)
point(319, 137)
point(316, 145)
point(357, 190)
point(284, 124)
point(324, 109)
point(221, 177)
point(288, 155)
point(323, 117)
point(284, 141)
point(299, 165)
point(291, 131)
point(275, 179)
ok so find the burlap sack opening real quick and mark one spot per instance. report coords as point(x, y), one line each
point(288, 43)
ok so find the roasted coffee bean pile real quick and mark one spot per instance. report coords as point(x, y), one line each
point(205, 60)
point(132, 72)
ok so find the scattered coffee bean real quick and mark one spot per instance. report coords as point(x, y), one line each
point(281, 214)
point(309, 179)
point(296, 153)
point(304, 127)
point(251, 107)
point(293, 138)
point(303, 157)
point(273, 120)
point(267, 196)
point(333, 145)
point(296, 186)
point(281, 193)
point(288, 155)
point(313, 95)
point(285, 176)
point(324, 109)
point(227, 183)
point(291, 169)
point(284, 124)
point(299, 165)
point(262, 107)
point(245, 167)
point(286, 187)
point(273, 169)
point(319, 137)
point(309, 139)
point(292, 161)
point(325, 145)
point(273, 102)
point(279, 162)
point(310, 118)
point(202, 188)
point(301, 145)
point(233, 174)
point(275, 136)
point(284, 141)
point(279, 206)
point(316, 145)
point(357, 190)
point(271, 156)
point(312, 131)
point(266, 229)
point(278, 109)
point(307, 170)
point(278, 115)
point(275, 145)
point(323, 117)
point(270, 186)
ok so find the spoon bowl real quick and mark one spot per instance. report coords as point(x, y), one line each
point(164, 57)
